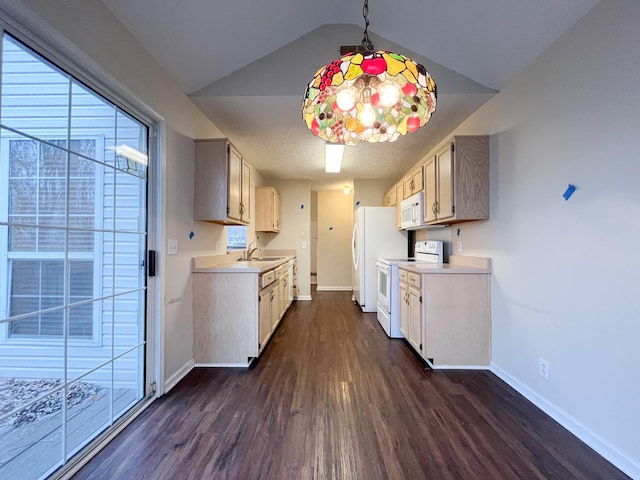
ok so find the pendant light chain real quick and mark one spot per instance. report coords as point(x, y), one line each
point(366, 42)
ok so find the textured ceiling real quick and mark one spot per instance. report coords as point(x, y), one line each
point(246, 65)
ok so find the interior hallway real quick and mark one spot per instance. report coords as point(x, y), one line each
point(333, 398)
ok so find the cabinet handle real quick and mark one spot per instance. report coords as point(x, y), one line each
point(437, 207)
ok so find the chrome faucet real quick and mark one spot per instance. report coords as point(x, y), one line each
point(250, 250)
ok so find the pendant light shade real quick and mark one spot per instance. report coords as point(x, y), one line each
point(373, 96)
point(368, 95)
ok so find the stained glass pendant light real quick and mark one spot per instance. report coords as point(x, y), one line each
point(368, 96)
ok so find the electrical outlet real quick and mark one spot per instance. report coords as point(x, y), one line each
point(459, 246)
point(543, 368)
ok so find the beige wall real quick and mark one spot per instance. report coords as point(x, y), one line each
point(369, 193)
point(295, 211)
point(335, 225)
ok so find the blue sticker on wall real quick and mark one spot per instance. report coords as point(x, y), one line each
point(458, 232)
point(330, 228)
point(568, 192)
point(357, 203)
point(301, 206)
point(191, 235)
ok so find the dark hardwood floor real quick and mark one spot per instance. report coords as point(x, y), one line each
point(333, 398)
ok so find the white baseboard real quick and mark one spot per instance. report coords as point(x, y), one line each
point(628, 465)
point(173, 380)
point(221, 365)
point(337, 288)
point(304, 297)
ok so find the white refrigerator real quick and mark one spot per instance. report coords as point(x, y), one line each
point(374, 235)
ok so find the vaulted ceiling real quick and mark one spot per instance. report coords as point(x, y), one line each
point(246, 65)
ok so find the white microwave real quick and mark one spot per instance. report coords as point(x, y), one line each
point(412, 212)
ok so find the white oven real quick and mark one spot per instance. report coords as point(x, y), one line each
point(388, 305)
point(384, 285)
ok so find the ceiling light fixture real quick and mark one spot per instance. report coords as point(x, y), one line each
point(368, 96)
point(347, 190)
point(333, 157)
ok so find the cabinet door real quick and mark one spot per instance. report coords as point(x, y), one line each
point(430, 192)
point(276, 211)
point(407, 189)
point(245, 197)
point(264, 315)
point(404, 310)
point(445, 186)
point(417, 179)
point(415, 319)
point(275, 304)
point(399, 189)
point(235, 185)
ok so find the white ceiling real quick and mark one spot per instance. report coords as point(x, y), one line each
point(246, 64)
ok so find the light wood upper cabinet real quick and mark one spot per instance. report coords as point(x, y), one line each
point(399, 189)
point(456, 182)
point(245, 191)
point(412, 182)
point(267, 209)
point(222, 183)
point(389, 199)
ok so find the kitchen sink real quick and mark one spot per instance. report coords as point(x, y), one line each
point(261, 259)
point(266, 259)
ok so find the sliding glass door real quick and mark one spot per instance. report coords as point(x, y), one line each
point(73, 239)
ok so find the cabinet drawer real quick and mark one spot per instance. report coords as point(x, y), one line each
point(280, 271)
point(267, 278)
point(414, 279)
point(403, 275)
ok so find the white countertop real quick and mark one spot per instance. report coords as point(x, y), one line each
point(218, 264)
point(457, 264)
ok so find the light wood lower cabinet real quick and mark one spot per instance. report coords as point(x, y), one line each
point(446, 318)
point(235, 314)
point(410, 309)
point(265, 301)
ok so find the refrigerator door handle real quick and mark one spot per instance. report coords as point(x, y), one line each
point(354, 246)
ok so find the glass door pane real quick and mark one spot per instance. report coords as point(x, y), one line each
point(73, 236)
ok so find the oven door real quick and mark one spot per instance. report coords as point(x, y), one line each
point(384, 285)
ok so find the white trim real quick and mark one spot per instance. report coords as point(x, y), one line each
point(337, 288)
point(304, 297)
point(628, 465)
point(182, 372)
point(156, 239)
point(457, 367)
point(221, 365)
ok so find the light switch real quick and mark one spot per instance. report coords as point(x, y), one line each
point(303, 244)
point(172, 248)
point(301, 234)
